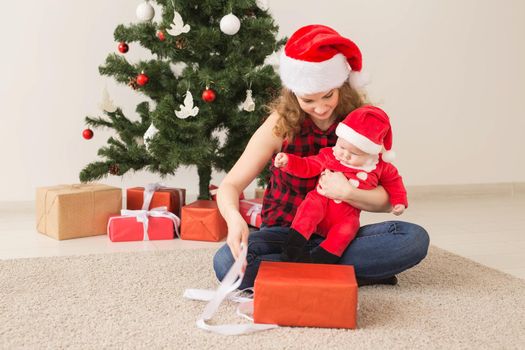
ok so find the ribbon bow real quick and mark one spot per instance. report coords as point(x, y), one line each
point(143, 216)
point(254, 210)
point(149, 190)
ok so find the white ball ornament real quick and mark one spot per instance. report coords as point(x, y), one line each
point(145, 11)
point(230, 24)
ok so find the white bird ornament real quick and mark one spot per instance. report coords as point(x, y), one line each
point(178, 27)
point(187, 109)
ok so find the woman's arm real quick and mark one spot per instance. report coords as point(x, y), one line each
point(335, 185)
point(258, 152)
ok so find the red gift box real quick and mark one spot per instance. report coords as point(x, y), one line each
point(172, 198)
point(305, 295)
point(250, 210)
point(202, 221)
point(127, 228)
point(213, 193)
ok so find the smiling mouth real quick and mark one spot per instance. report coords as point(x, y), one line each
point(323, 115)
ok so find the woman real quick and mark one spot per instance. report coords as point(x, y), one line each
point(315, 68)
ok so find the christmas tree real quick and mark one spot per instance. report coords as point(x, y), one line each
point(203, 114)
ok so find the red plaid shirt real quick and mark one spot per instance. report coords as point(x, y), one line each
point(285, 192)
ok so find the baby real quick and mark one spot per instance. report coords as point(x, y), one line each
point(362, 135)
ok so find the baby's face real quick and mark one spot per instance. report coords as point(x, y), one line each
point(346, 152)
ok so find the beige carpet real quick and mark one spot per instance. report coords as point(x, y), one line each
point(134, 300)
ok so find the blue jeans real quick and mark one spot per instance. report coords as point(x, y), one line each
point(378, 251)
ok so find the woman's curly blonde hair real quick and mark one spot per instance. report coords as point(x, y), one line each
point(292, 116)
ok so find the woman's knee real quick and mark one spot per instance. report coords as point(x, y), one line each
point(222, 261)
point(420, 240)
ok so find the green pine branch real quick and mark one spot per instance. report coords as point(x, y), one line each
point(229, 65)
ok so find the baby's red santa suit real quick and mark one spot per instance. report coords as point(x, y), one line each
point(367, 128)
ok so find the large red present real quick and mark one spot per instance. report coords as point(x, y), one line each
point(250, 210)
point(157, 196)
point(202, 221)
point(305, 295)
point(213, 192)
point(138, 225)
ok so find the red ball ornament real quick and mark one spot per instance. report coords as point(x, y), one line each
point(160, 35)
point(208, 95)
point(142, 79)
point(87, 134)
point(123, 47)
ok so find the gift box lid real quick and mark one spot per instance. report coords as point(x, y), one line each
point(282, 272)
point(201, 204)
point(77, 188)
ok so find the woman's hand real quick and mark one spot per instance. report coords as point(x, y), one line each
point(237, 232)
point(334, 185)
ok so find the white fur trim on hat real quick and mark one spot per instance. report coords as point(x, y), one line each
point(313, 77)
point(356, 139)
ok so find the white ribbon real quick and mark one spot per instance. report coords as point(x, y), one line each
point(149, 191)
point(253, 212)
point(143, 216)
point(227, 290)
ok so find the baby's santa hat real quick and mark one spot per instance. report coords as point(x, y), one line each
point(317, 59)
point(368, 128)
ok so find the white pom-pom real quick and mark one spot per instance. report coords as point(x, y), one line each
point(359, 80)
point(362, 175)
point(388, 156)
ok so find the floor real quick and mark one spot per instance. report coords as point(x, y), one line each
point(487, 229)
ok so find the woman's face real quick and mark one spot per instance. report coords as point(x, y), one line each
point(319, 106)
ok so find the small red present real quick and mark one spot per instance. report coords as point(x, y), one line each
point(305, 295)
point(250, 210)
point(213, 193)
point(154, 196)
point(138, 225)
point(202, 221)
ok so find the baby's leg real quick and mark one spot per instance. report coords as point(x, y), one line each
point(309, 214)
point(311, 211)
point(341, 232)
point(340, 235)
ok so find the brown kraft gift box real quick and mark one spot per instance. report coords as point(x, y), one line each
point(202, 221)
point(74, 211)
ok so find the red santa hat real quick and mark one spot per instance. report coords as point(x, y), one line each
point(317, 59)
point(368, 128)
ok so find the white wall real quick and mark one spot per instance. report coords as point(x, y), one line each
point(449, 73)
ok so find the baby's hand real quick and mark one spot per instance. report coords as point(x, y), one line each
point(281, 159)
point(398, 209)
